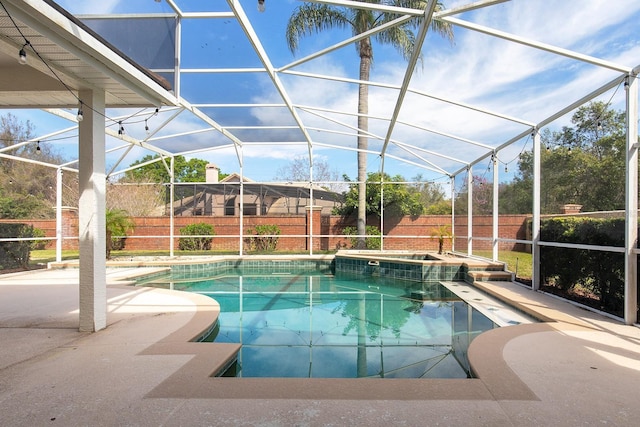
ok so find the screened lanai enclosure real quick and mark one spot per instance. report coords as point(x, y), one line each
point(502, 127)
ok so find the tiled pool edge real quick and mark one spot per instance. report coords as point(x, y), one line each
point(427, 267)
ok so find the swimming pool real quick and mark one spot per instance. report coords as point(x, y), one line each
point(319, 325)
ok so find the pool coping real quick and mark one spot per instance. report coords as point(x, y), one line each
point(494, 379)
point(579, 368)
point(197, 378)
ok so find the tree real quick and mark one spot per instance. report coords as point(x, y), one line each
point(310, 18)
point(431, 196)
point(399, 199)
point(297, 170)
point(192, 170)
point(137, 198)
point(583, 164)
point(482, 197)
point(27, 189)
point(443, 232)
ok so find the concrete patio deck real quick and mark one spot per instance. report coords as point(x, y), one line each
point(578, 368)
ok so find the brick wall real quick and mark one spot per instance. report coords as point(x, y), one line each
point(407, 233)
point(509, 227)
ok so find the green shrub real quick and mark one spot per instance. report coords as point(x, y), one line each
point(265, 238)
point(37, 245)
point(373, 242)
point(202, 239)
point(15, 254)
point(117, 224)
point(595, 272)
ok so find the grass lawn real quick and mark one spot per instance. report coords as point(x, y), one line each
point(49, 255)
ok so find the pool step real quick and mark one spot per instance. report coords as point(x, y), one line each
point(490, 276)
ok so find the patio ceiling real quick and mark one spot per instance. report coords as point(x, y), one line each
point(443, 140)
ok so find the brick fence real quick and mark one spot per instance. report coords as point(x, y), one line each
point(406, 233)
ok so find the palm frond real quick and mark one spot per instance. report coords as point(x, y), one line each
point(310, 18)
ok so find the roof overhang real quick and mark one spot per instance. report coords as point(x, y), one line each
point(67, 57)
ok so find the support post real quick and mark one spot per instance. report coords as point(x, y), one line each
point(453, 213)
point(495, 217)
point(311, 203)
point(91, 217)
point(631, 205)
point(59, 235)
point(314, 223)
point(535, 226)
point(241, 195)
point(470, 212)
point(172, 193)
point(381, 211)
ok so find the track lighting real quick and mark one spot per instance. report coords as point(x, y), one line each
point(260, 5)
point(22, 55)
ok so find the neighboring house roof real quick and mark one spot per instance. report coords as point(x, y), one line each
point(235, 177)
point(290, 189)
point(274, 190)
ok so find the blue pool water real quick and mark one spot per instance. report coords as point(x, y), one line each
point(321, 326)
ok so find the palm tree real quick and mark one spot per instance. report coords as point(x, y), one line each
point(118, 223)
point(313, 17)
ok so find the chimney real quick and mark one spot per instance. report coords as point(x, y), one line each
point(571, 209)
point(212, 173)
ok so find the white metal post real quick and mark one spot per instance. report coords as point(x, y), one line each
point(311, 202)
point(241, 194)
point(495, 218)
point(381, 211)
point(178, 55)
point(172, 192)
point(535, 226)
point(453, 215)
point(631, 208)
point(59, 235)
point(470, 211)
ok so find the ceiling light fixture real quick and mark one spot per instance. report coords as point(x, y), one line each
point(260, 5)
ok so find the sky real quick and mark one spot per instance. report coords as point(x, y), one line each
point(476, 69)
